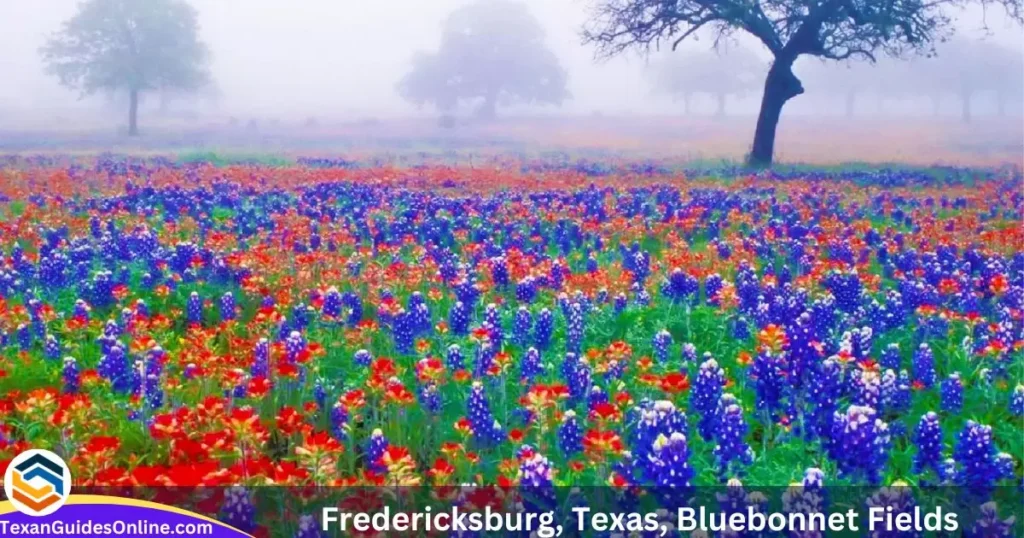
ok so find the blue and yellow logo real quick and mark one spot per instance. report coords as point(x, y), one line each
point(37, 482)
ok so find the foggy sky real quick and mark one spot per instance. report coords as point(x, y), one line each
point(342, 58)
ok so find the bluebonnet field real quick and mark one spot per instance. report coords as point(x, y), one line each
point(522, 321)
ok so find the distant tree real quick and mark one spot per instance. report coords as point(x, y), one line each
point(829, 29)
point(974, 66)
point(134, 46)
point(847, 80)
point(964, 68)
point(707, 72)
point(1009, 81)
point(492, 53)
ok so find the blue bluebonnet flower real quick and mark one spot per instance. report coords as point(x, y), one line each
point(741, 329)
point(24, 337)
point(332, 305)
point(536, 484)
point(712, 284)
point(52, 348)
point(227, 307)
point(977, 465)
point(596, 397)
point(662, 342)
point(620, 303)
point(860, 443)
point(898, 502)
point(111, 329)
point(846, 288)
point(375, 448)
point(526, 290)
point(309, 527)
point(1017, 401)
point(403, 331)
point(670, 470)
point(904, 394)
point(705, 392)
point(260, 359)
point(430, 398)
point(543, 329)
point(113, 366)
point(731, 448)
point(454, 359)
point(339, 421)
point(70, 375)
point(103, 289)
point(1005, 465)
point(362, 358)
point(653, 419)
point(81, 310)
point(640, 266)
point(769, 381)
point(928, 438)
point(354, 306)
point(459, 319)
point(574, 328)
point(557, 275)
point(570, 435)
point(735, 500)
point(924, 366)
point(531, 366)
point(952, 394)
point(891, 358)
point(807, 497)
point(194, 308)
point(681, 286)
point(294, 344)
point(989, 524)
point(300, 316)
point(522, 325)
point(860, 342)
point(499, 271)
point(492, 322)
point(866, 388)
point(580, 378)
point(887, 391)
point(615, 370)
point(320, 394)
point(238, 510)
point(487, 431)
point(688, 354)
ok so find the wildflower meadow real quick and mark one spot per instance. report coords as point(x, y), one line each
point(325, 322)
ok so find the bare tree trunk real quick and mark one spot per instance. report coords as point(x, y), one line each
point(133, 112)
point(851, 99)
point(780, 86)
point(720, 96)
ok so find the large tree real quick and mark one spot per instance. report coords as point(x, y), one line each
point(132, 46)
point(829, 29)
point(734, 72)
point(492, 52)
